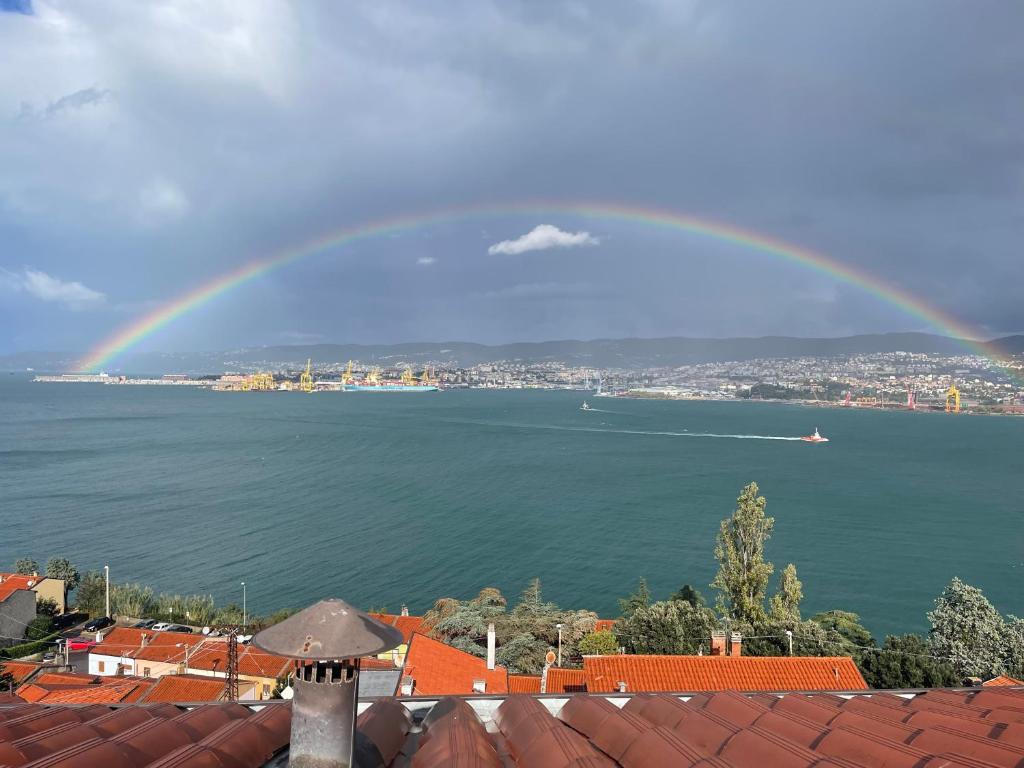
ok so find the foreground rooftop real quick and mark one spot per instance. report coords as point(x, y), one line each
point(966, 728)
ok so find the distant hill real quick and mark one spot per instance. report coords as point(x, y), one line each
point(598, 353)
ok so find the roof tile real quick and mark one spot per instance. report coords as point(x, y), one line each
point(439, 669)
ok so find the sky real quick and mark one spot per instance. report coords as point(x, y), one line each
point(146, 148)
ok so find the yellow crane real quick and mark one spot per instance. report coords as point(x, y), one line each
point(407, 377)
point(426, 377)
point(306, 378)
point(346, 377)
point(952, 399)
point(373, 377)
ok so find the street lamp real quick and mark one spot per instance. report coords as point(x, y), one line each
point(559, 627)
point(245, 616)
point(106, 572)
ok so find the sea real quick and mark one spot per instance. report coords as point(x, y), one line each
point(400, 499)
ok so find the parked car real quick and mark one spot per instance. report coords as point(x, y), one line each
point(66, 620)
point(178, 628)
point(100, 622)
point(160, 626)
point(80, 644)
point(145, 624)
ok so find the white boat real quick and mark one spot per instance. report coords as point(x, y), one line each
point(584, 407)
point(815, 438)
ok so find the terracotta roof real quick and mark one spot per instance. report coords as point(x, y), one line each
point(372, 662)
point(1003, 680)
point(561, 680)
point(65, 678)
point(160, 646)
point(979, 728)
point(19, 670)
point(12, 582)
point(524, 683)
point(604, 625)
point(721, 673)
point(213, 656)
point(439, 669)
point(64, 688)
point(187, 688)
point(407, 625)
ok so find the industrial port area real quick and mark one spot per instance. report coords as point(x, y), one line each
point(895, 380)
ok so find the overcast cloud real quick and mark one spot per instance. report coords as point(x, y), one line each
point(148, 147)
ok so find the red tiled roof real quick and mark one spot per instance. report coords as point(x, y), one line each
point(524, 683)
point(185, 689)
point(407, 625)
point(372, 662)
point(67, 688)
point(12, 582)
point(65, 678)
point(439, 669)
point(562, 680)
point(19, 670)
point(604, 625)
point(979, 728)
point(721, 673)
point(160, 646)
point(213, 656)
point(1003, 680)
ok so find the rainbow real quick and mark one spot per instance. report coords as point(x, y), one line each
point(142, 328)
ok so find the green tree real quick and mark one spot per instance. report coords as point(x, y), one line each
point(691, 595)
point(669, 627)
point(639, 599)
point(1014, 655)
point(61, 568)
point(26, 566)
point(6, 679)
point(91, 594)
point(844, 628)
point(46, 606)
point(785, 603)
point(969, 631)
point(133, 600)
point(743, 573)
point(39, 627)
point(601, 643)
point(905, 661)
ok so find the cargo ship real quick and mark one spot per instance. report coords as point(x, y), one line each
point(374, 383)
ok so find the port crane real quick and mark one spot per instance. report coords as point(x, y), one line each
point(952, 398)
point(306, 378)
point(346, 377)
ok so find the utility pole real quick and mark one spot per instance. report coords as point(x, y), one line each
point(559, 626)
point(231, 683)
point(106, 571)
point(245, 617)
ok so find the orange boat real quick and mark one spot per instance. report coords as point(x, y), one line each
point(815, 438)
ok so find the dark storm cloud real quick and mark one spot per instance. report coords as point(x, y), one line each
point(886, 135)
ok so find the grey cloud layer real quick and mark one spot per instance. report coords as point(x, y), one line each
point(157, 144)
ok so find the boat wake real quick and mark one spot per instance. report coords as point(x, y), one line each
point(650, 433)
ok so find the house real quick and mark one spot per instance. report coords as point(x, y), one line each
point(44, 587)
point(194, 688)
point(434, 668)
point(635, 674)
point(407, 625)
point(130, 651)
point(1003, 681)
point(72, 688)
point(17, 609)
point(20, 671)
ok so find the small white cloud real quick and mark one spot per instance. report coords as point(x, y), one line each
point(541, 238)
point(426, 261)
point(162, 199)
point(44, 287)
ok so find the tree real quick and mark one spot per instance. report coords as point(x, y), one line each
point(91, 594)
point(969, 631)
point(669, 627)
point(61, 568)
point(39, 627)
point(742, 578)
point(904, 661)
point(1014, 655)
point(844, 628)
point(6, 679)
point(46, 606)
point(133, 600)
point(26, 566)
point(785, 603)
point(601, 643)
point(639, 599)
point(689, 594)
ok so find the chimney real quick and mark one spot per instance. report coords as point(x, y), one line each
point(490, 646)
point(718, 642)
point(621, 686)
point(736, 646)
point(405, 610)
point(479, 686)
point(145, 640)
point(326, 641)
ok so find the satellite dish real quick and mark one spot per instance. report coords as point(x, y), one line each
point(287, 693)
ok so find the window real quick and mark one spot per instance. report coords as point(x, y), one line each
point(99, 666)
point(145, 671)
point(266, 691)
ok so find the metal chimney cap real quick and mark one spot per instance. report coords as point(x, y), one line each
point(330, 629)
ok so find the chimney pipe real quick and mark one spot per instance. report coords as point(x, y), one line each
point(490, 646)
point(736, 646)
point(405, 610)
point(326, 641)
point(718, 642)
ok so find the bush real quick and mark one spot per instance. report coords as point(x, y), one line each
point(601, 643)
point(39, 627)
point(27, 649)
